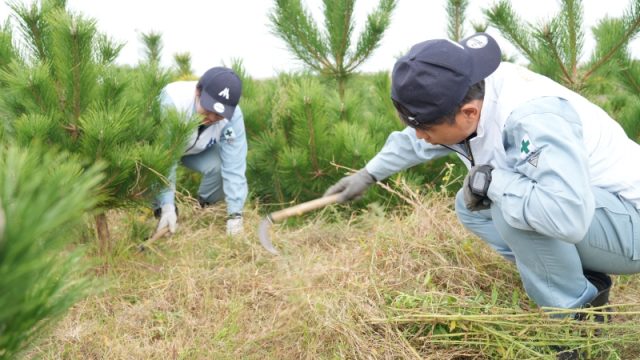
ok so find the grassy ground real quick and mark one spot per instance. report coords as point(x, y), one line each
point(408, 284)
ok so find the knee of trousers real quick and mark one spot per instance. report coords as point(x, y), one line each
point(206, 162)
point(212, 169)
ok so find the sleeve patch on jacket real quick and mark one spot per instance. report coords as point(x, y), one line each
point(229, 135)
point(533, 159)
point(526, 147)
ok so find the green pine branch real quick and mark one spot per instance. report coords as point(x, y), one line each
point(183, 68)
point(292, 22)
point(43, 197)
point(107, 49)
point(8, 52)
point(339, 25)
point(377, 24)
point(330, 53)
point(512, 27)
point(68, 93)
point(152, 42)
point(456, 14)
point(630, 26)
point(554, 48)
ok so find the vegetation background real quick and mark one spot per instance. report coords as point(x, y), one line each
point(391, 276)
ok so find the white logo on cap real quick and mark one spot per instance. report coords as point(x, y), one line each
point(224, 93)
point(218, 107)
point(477, 42)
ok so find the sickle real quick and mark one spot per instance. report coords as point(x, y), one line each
point(158, 234)
point(265, 224)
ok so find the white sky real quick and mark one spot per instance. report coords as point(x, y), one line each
point(216, 31)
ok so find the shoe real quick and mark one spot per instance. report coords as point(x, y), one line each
point(603, 283)
point(203, 203)
point(568, 355)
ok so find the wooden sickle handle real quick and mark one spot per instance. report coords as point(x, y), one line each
point(303, 208)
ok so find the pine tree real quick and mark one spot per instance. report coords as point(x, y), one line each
point(303, 137)
point(297, 125)
point(7, 51)
point(298, 147)
point(43, 197)
point(152, 41)
point(456, 15)
point(329, 52)
point(617, 85)
point(554, 48)
point(66, 91)
point(609, 76)
point(294, 149)
point(8, 54)
point(183, 70)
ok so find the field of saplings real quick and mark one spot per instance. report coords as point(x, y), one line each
point(86, 147)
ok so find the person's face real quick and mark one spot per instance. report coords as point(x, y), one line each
point(449, 134)
point(208, 117)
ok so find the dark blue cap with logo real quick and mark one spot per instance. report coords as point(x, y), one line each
point(221, 90)
point(431, 80)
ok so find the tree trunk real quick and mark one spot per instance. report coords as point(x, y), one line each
point(341, 91)
point(104, 238)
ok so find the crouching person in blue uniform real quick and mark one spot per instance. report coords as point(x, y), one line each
point(553, 182)
point(218, 149)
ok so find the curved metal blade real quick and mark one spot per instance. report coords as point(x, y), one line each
point(263, 234)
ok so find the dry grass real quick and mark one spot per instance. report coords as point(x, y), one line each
point(405, 285)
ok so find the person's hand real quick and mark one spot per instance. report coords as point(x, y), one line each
point(352, 187)
point(168, 218)
point(234, 224)
point(475, 187)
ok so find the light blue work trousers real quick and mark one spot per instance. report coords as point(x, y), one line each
point(551, 269)
point(208, 163)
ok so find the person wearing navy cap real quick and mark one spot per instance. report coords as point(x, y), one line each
point(553, 182)
point(218, 149)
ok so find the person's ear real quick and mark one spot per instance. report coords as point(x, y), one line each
point(471, 110)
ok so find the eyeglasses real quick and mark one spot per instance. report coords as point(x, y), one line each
point(407, 116)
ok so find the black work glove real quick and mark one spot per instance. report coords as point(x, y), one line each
point(475, 187)
point(353, 186)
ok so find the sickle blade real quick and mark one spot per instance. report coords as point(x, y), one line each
point(263, 234)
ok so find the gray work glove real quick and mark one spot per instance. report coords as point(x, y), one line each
point(353, 186)
point(475, 187)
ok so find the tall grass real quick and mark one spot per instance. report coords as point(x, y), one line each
point(408, 283)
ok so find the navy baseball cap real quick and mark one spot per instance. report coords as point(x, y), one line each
point(431, 80)
point(221, 90)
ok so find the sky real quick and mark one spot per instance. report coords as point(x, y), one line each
point(215, 32)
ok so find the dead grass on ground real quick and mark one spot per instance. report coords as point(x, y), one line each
point(409, 284)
